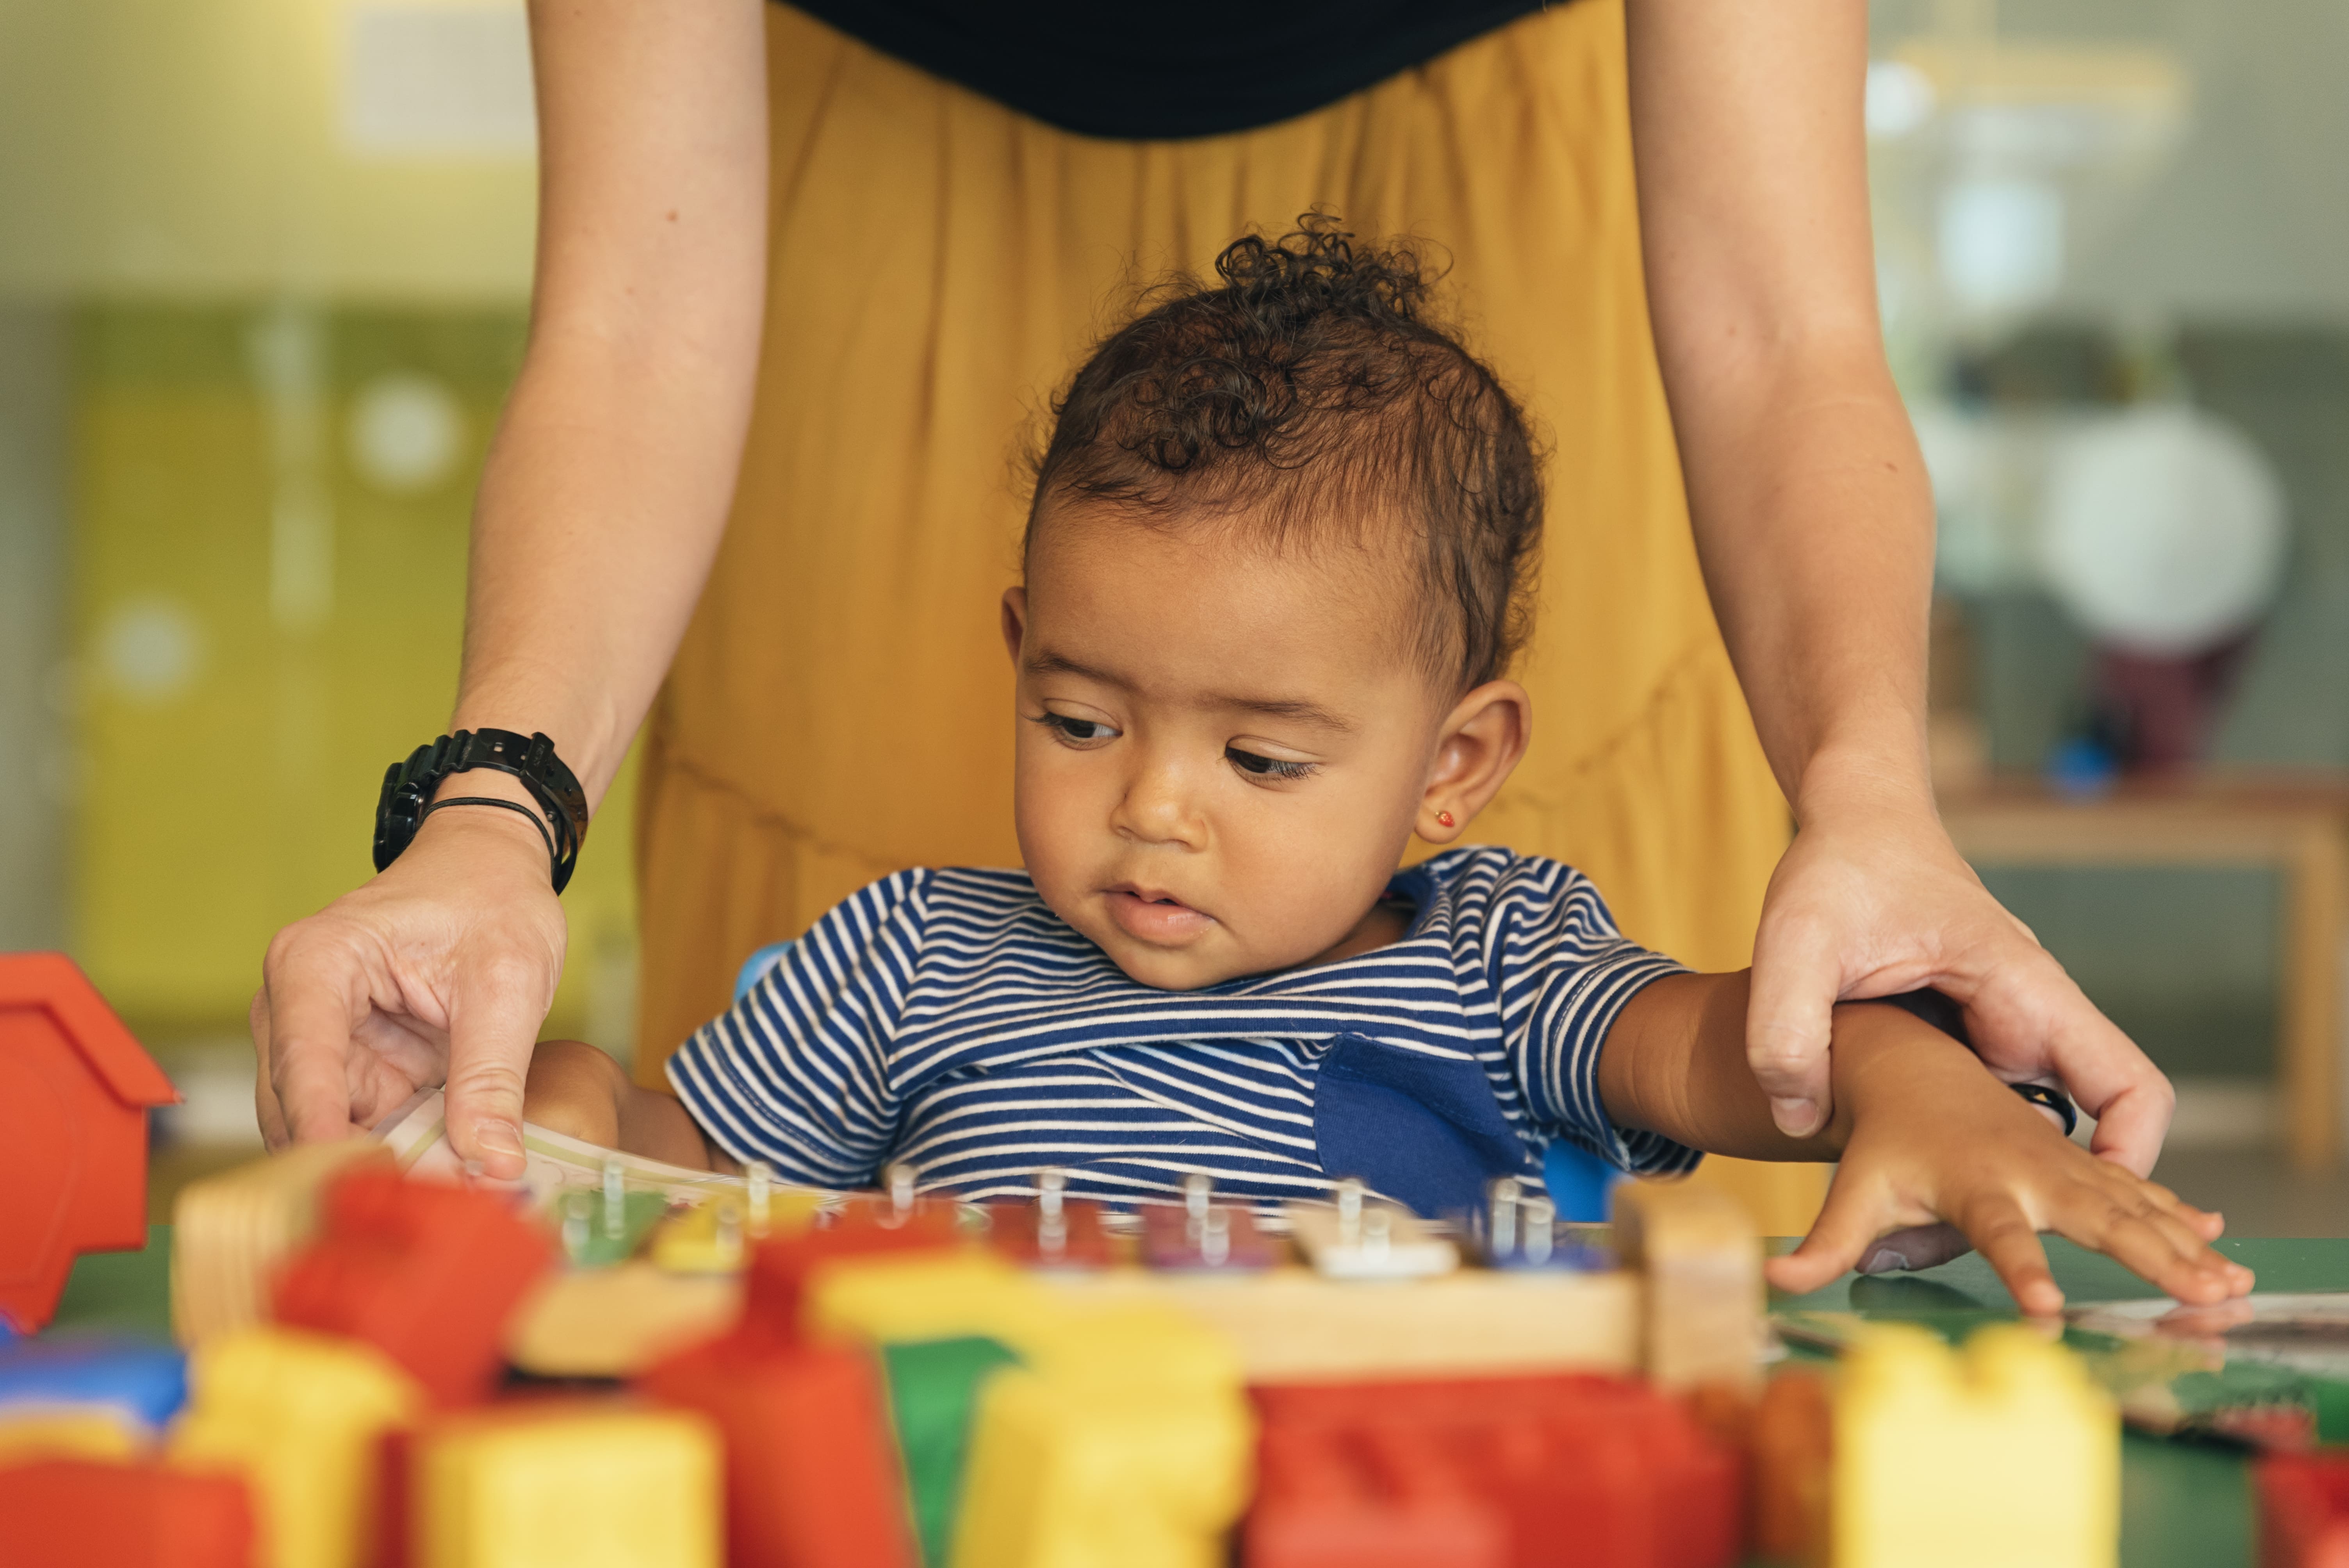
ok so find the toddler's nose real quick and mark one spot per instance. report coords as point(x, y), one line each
point(1157, 809)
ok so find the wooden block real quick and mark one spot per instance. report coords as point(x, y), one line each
point(428, 1275)
point(84, 1513)
point(91, 1432)
point(615, 1322)
point(2304, 1511)
point(567, 1486)
point(230, 1233)
point(1794, 1450)
point(1291, 1326)
point(299, 1415)
point(1202, 1236)
point(2007, 1453)
point(811, 1471)
point(1702, 1262)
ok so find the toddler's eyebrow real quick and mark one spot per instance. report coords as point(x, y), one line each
point(1289, 708)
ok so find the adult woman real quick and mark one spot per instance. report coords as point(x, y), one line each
point(929, 260)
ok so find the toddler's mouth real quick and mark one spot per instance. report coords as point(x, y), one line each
point(1148, 915)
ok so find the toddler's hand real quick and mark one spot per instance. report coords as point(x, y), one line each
point(1934, 1136)
point(577, 1090)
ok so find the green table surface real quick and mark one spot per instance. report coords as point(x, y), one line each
point(2183, 1505)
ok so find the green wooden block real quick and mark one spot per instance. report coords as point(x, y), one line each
point(933, 1389)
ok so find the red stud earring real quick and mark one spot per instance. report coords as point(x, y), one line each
point(1444, 818)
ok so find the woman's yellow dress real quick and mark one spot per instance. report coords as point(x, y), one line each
point(841, 707)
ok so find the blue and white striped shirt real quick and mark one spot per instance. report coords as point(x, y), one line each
point(950, 1019)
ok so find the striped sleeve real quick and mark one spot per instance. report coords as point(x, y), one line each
point(797, 1072)
point(1564, 973)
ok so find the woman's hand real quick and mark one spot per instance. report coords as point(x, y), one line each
point(449, 956)
point(1872, 900)
point(1933, 1137)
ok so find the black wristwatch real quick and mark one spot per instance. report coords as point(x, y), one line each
point(408, 789)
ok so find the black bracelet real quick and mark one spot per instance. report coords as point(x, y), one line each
point(502, 805)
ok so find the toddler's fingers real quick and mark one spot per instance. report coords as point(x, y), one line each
point(2151, 1242)
point(2003, 1235)
point(1850, 1221)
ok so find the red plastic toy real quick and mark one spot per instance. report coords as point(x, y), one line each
point(426, 1273)
point(78, 1513)
point(75, 1090)
point(2304, 1511)
point(1506, 1472)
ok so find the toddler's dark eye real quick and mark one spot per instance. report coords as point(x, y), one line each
point(1069, 728)
point(1261, 766)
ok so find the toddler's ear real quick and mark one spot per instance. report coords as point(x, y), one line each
point(1475, 750)
point(1015, 620)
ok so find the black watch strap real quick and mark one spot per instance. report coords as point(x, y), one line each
point(407, 790)
point(1945, 1014)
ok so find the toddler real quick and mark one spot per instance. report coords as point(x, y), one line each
point(1279, 557)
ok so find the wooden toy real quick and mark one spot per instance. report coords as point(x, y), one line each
point(74, 1432)
point(428, 1275)
point(2304, 1511)
point(1362, 1238)
point(1513, 1471)
point(1128, 1442)
point(145, 1382)
point(713, 1237)
point(299, 1415)
point(1290, 1325)
point(615, 1322)
point(933, 1396)
point(2007, 1453)
point(556, 1484)
point(74, 1091)
point(230, 1233)
point(1054, 1232)
point(1793, 1445)
point(776, 1278)
point(87, 1513)
point(811, 1471)
point(607, 1226)
point(1201, 1236)
point(1702, 1262)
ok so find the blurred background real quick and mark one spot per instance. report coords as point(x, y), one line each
point(263, 279)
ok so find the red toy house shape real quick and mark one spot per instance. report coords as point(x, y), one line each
point(75, 1090)
point(427, 1275)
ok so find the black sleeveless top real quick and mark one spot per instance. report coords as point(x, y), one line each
point(1140, 71)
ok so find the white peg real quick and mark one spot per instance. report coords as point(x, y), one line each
point(758, 1191)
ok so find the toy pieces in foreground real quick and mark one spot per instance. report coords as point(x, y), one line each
point(1703, 1264)
point(84, 1513)
point(2006, 1453)
point(1792, 1440)
point(556, 1484)
point(1054, 1232)
point(811, 1475)
point(1486, 1473)
point(1202, 1235)
point(75, 1090)
point(230, 1232)
point(2304, 1511)
point(1361, 1238)
point(714, 1238)
point(427, 1275)
point(299, 1415)
point(146, 1383)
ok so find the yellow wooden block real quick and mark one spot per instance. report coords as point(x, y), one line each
point(1074, 1473)
point(891, 1299)
point(299, 1415)
point(615, 1322)
point(569, 1487)
point(2005, 1453)
point(87, 1433)
point(712, 1237)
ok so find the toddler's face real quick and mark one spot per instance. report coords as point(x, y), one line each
point(1223, 749)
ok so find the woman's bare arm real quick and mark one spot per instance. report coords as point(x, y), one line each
point(1814, 521)
point(605, 495)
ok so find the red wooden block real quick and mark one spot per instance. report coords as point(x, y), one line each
point(1573, 1471)
point(84, 1513)
point(1334, 1510)
point(2305, 1510)
point(813, 1477)
point(426, 1273)
point(75, 1090)
point(775, 1280)
point(1019, 1231)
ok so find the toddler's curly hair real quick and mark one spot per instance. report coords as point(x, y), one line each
point(1310, 391)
